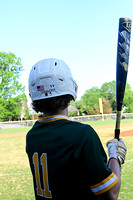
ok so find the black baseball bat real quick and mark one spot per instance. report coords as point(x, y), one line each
point(123, 48)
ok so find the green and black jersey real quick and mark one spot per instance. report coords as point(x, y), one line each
point(67, 160)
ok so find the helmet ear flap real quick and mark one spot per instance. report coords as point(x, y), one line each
point(50, 78)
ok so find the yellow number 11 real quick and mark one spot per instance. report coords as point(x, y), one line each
point(43, 159)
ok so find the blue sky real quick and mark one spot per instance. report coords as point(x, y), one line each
point(83, 33)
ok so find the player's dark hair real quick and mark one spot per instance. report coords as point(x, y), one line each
point(52, 105)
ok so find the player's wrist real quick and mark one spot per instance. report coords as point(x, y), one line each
point(116, 157)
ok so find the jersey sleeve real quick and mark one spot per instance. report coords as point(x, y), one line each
point(90, 152)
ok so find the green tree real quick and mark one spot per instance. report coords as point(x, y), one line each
point(3, 110)
point(27, 115)
point(108, 91)
point(10, 68)
point(89, 103)
point(11, 90)
point(107, 109)
point(128, 99)
point(14, 107)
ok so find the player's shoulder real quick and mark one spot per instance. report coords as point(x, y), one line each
point(86, 131)
point(86, 136)
point(33, 129)
point(81, 128)
point(77, 125)
point(80, 125)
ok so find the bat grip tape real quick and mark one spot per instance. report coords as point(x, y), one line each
point(117, 133)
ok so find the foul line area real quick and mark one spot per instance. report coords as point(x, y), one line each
point(21, 173)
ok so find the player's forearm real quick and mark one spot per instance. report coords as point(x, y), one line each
point(117, 152)
point(115, 167)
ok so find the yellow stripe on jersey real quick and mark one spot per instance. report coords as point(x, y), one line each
point(52, 118)
point(104, 185)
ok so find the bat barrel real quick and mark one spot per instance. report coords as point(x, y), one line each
point(123, 48)
point(122, 59)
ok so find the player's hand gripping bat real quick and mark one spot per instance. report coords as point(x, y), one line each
point(123, 48)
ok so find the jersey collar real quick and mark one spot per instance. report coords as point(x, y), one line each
point(52, 118)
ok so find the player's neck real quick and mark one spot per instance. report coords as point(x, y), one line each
point(60, 112)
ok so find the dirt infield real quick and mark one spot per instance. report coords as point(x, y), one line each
point(129, 125)
point(12, 135)
point(123, 126)
point(127, 133)
point(124, 133)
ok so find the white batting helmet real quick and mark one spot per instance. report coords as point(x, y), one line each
point(51, 78)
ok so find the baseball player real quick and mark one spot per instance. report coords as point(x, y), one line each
point(67, 159)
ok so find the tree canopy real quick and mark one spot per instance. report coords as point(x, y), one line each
point(89, 103)
point(11, 90)
point(10, 68)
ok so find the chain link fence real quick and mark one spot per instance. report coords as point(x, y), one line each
point(16, 124)
point(101, 117)
point(26, 123)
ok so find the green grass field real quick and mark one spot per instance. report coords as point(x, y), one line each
point(15, 175)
